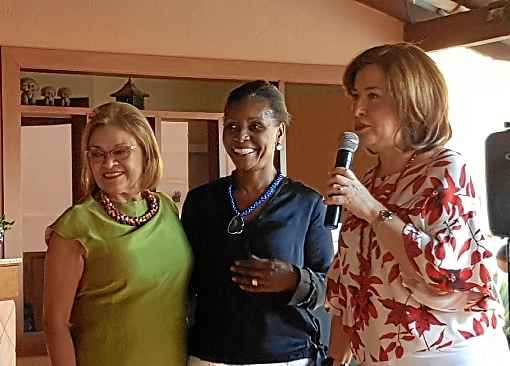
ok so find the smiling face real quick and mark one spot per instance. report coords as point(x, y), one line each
point(118, 173)
point(375, 113)
point(250, 134)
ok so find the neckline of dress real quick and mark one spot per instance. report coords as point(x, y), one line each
point(261, 200)
point(398, 174)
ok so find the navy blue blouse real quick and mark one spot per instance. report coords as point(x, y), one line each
point(234, 326)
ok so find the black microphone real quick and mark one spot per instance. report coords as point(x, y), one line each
point(346, 148)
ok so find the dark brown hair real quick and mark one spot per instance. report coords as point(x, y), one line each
point(418, 88)
point(502, 253)
point(263, 90)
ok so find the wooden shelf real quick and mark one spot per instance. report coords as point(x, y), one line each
point(53, 112)
point(67, 112)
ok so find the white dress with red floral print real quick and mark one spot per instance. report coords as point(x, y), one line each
point(389, 317)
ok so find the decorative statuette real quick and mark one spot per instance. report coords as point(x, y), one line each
point(29, 88)
point(130, 93)
point(49, 93)
point(65, 96)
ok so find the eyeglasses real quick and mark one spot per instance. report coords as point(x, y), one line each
point(120, 153)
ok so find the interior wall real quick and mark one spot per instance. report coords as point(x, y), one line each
point(174, 152)
point(46, 180)
point(298, 31)
point(198, 155)
point(320, 114)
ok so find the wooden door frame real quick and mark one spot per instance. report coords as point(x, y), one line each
point(214, 141)
point(77, 123)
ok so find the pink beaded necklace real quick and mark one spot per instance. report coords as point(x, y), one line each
point(114, 213)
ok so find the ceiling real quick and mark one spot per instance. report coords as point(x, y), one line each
point(483, 25)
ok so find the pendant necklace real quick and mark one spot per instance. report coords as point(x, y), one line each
point(236, 224)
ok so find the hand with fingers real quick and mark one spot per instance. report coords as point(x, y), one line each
point(264, 275)
point(344, 189)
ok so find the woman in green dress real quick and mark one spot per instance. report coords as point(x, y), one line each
point(118, 263)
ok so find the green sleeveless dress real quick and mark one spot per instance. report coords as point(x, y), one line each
point(130, 306)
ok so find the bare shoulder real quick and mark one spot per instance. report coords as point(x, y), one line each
point(438, 159)
point(57, 244)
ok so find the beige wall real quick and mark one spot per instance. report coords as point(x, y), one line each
point(320, 114)
point(46, 180)
point(300, 31)
point(174, 152)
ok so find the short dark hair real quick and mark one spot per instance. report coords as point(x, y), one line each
point(418, 88)
point(261, 89)
point(502, 253)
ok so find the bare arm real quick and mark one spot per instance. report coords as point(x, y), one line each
point(339, 347)
point(63, 272)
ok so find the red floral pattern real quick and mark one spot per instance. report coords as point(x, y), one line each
point(387, 316)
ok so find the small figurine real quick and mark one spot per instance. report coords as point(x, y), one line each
point(49, 93)
point(65, 96)
point(28, 87)
point(130, 93)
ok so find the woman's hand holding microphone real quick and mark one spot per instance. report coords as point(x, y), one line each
point(344, 189)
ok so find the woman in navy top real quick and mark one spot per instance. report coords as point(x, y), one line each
point(261, 249)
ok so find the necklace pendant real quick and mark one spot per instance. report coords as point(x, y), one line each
point(236, 225)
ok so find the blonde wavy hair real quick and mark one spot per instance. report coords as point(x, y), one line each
point(131, 120)
point(418, 88)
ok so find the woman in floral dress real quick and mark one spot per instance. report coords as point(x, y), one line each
point(409, 285)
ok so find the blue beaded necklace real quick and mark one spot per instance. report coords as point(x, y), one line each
point(236, 225)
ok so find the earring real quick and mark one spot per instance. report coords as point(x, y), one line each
point(279, 146)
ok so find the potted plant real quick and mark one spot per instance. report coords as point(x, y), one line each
point(4, 226)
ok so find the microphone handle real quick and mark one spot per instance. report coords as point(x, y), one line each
point(333, 212)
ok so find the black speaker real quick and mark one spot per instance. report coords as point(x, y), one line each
point(497, 165)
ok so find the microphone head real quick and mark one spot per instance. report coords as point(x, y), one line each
point(349, 142)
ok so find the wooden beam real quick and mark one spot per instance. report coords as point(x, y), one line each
point(396, 9)
point(103, 63)
point(470, 28)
